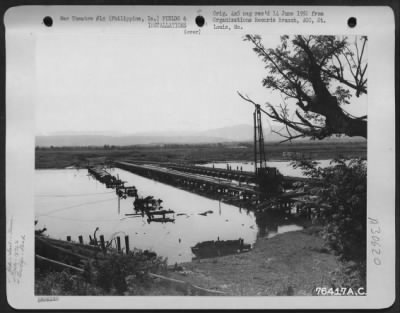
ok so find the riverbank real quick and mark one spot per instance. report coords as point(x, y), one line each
point(293, 263)
point(289, 264)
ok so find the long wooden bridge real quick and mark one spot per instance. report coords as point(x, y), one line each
point(238, 175)
point(170, 175)
point(212, 182)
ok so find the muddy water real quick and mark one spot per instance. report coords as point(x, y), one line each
point(283, 166)
point(71, 203)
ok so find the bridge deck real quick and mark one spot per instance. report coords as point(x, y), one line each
point(221, 182)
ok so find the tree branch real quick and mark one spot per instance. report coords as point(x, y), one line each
point(305, 77)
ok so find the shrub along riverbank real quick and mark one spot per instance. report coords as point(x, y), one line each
point(66, 268)
point(293, 263)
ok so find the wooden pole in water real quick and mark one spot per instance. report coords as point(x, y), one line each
point(102, 242)
point(119, 209)
point(80, 239)
point(68, 238)
point(118, 244)
point(127, 244)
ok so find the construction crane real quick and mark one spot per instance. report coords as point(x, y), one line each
point(268, 178)
point(259, 152)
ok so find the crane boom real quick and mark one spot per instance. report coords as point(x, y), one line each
point(259, 151)
point(268, 178)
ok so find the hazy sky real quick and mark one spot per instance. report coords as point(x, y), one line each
point(139, 83)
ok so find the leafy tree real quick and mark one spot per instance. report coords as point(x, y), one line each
point(317, 77)
point(340, 190)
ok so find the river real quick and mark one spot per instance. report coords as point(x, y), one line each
point(69, 202)
point(284, 167)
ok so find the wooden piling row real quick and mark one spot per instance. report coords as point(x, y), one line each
point(103, 244)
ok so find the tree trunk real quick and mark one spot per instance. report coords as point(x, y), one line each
point(337, 122)
point(346, 125)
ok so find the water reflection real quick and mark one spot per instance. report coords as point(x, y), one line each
point(71, 203)
point(284, 167)
point(273, 222)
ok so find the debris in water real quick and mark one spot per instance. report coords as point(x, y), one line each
point(161, 220)
point(206, 212)
point(207, 249)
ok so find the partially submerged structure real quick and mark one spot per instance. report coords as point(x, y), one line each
point(209, 249)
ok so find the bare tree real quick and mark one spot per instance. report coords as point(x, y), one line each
point(317, 76)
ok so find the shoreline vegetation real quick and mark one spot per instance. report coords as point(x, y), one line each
point(289, 264)
point(62, 157)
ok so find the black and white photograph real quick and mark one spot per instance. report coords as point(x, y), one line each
point(192, 156)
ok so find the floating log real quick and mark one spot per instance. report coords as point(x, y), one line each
point(206, 212)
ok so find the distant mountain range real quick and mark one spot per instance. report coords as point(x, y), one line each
point(225, 134)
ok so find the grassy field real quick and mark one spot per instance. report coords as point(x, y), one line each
point(61, 157)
